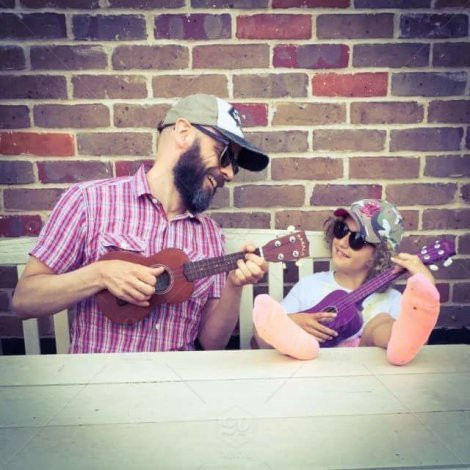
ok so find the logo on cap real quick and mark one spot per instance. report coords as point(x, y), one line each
point(235, 116)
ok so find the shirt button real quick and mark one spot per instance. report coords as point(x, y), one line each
point(125, 245)
point(157, 326)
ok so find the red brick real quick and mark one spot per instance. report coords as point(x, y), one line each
point(31, 199)
point(245, 176)
point(435, 138)
point(461, 292)
point(307, 114)
point(355, 26)
point(14, 117)
point(146, 4)
point(32, 26)
point(391, 55)
point(464, 244)
point(193, 26)
point(447, 166)
point(252, 114)
point(433, 26)
point(446, 219)
point(411, 219)
point(31, 143)
point(68, 57)
point(444, 291)
point(7, 4)
point(386, 113)
point(248, 220)
point(281, 141)
point(127, 168)
point(311, 3)
point(269, 196)
point(276, 26)
point(336, 194)
point(317, 168)
point(109, 86)
point(150, 57)
point(453, 318)
point(32, 87)
point(459, 269)
point(73, 172)
point(15, 172)
point(115, 143)
point(75, 116)
point(311, 56)
point(451, 4)
point(12, 58)
point(449, 111)
point(20, 226)
point(383, 167)
point(421, 193)
point(75, 4)
point(136, 115)
point(394, 4)
point(109, 27)
point(172, 86)
point(302, 220)
point(221, 199)
point(348, 139)
point(348, 84)
point(4, 302)
point(429, 83)
point(290, 85)
point(465, 193)
point(231, 56)
point(453, 54)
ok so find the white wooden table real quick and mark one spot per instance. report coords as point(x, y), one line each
point(235, 409)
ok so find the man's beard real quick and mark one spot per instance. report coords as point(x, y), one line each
point(189, 176)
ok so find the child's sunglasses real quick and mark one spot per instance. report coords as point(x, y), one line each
point(356, 239)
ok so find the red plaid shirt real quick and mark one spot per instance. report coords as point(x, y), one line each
point(121, 213)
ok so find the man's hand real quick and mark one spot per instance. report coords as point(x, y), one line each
point(250, 270)
point(312, 323)
point(132, 282)
point(413, 264)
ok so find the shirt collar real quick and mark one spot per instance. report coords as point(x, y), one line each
point(141, 186)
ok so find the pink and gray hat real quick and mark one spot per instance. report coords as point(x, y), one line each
point(377, 220)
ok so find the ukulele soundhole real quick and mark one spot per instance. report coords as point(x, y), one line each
point(164, 282)
point(330, 309)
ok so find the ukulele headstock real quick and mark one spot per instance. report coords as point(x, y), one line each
point(440, 250)
point(289, 247)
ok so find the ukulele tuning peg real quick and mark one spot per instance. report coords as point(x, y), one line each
point(433, 267)
point(298, 263)
point(291, 228)
point(448, 262)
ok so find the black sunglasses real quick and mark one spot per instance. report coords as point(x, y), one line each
point(226, 157)
point(356, 239)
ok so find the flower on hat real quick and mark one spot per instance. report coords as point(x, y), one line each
point(370, 208)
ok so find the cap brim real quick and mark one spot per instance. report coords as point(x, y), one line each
point(250, 157)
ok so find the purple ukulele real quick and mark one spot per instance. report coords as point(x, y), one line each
point(348, 305)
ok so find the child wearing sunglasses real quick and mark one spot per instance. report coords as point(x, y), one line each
point(363, 240)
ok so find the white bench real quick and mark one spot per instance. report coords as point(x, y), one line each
point(14, 251)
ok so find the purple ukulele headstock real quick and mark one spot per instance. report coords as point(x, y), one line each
point(441, 250)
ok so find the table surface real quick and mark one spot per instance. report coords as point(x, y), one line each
point(348, 408)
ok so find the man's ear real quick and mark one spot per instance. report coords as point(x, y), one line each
point(184, 133)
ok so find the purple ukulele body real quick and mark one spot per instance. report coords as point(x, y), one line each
point(347, 306)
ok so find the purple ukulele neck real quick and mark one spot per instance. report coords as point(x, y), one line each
point(441, 250)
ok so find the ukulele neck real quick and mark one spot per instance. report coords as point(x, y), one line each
point(208, 267)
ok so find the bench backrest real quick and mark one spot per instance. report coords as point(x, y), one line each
point(14, 251)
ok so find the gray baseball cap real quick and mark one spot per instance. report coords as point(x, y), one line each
point(208, 110)
point(377, 220)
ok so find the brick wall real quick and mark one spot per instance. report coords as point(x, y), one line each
point(352, 99)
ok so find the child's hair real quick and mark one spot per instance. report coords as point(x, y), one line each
point(382, 254)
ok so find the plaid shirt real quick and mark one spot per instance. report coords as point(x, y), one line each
point(121, 213)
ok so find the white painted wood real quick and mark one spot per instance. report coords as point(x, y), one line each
point(348, 408)
point(15, 251)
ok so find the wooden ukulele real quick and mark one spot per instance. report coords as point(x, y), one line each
point(175, 284)
point(347, 305)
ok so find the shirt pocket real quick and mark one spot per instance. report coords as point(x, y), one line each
point(120, 242)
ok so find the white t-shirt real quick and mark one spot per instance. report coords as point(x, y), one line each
point(310, 290)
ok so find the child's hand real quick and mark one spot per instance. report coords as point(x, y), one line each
point(413, 265)
point(312, 323)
